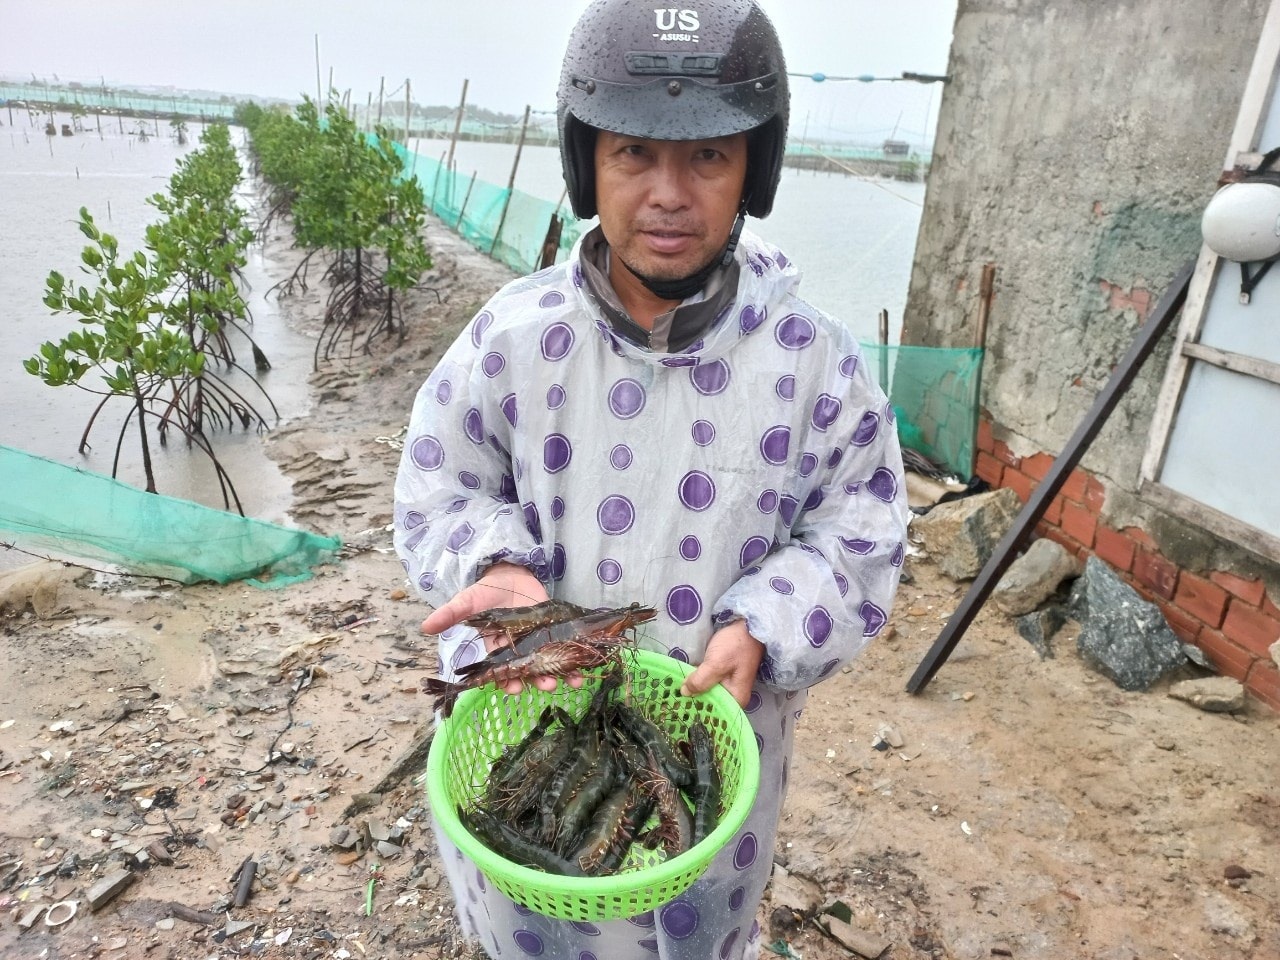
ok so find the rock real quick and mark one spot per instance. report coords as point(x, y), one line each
point(1034, 577)
point(1040, 627)
point(1233, 871)
point(863, 944)
point(798, 894)
point(1223, 916)
point(343, 838)
point(1121, 635)
point(1274, 650)
point(36, 585)
point(108, 888)
point(1213, 694)
point(961, 535)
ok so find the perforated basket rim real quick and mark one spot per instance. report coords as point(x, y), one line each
point(617, 888)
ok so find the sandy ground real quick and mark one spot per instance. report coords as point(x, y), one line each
point(1032, 810)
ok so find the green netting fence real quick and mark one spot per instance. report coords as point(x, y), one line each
point(509, 225)
point(934, 392)
point(74, 514)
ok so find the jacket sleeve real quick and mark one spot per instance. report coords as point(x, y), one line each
point(817, 600)
point(456, 507)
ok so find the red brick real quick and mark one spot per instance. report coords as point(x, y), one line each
point(1157, 573)
point(1269, 608)
point(1114, 547)
point(986, 442)
point(989, 468)
point(1203, 600)
point(1228, 658)
point(1250, 627)
point(1037, 465)
point(1141, 538)
point(1263, 682)
point(1141, 299)
point(1053, 512)
point(1095, 494)
point(1071, 545)
point(1074, 486)
point(1182, 623)
point(1018, 482)
point(1250, 591)
point(1079, 522)
point(1002, 453)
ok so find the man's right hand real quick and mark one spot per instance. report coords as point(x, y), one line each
point(502, 585)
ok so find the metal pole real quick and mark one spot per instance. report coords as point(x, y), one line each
point(1023, 524)
point(511, 181)
point(457, 124)
point(884, 351)
point(317, 71)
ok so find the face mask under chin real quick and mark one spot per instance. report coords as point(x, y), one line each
point(680, 288)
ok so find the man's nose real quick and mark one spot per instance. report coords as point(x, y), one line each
point(670, 185)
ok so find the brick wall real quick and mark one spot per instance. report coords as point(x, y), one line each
point(1231, 619)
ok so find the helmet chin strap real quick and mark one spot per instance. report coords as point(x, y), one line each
point(685, 287)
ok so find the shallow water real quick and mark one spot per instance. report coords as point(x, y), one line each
point(853, 239)
point(44, 181)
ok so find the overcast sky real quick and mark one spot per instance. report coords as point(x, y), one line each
point(509, 51)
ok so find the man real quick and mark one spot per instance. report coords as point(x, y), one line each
point(662, 419)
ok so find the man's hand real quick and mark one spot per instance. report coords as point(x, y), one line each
point(503, 585)
point(733, 656)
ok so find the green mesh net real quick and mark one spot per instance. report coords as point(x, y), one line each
point(934, 392)
point(509, 225)
point(74, 514)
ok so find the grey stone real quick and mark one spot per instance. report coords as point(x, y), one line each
point(1121, 635)
point(1213, 694)
point(343, 838)
point(961, 535)
point(1034, 577)
point(108, 888)
point(386, 849)
point(1040, 627)
point(1274, 650)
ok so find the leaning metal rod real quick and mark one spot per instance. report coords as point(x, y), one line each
point(1148, 336)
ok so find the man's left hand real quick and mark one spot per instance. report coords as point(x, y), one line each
point(733, 656)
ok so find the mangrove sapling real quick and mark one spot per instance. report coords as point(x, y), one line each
point(125, 335)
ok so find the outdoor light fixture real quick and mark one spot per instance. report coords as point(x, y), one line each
point(1242, 222)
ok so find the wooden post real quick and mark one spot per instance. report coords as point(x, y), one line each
point(457, 124)
point(511, 181)
point(463, 209)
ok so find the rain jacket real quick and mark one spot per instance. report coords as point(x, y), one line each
point(753, 475)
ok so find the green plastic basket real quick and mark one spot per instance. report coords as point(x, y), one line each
point(485, 721)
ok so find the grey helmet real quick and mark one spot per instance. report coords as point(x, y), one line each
point(711, 70)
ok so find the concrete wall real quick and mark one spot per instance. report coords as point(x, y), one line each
point(1077, 145)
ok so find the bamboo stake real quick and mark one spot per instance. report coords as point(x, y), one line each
point(884, 351)
point(382, 81)
point(406, 113)
point(457, 124)
point(317, 71)
point(511, 181)
point(463, 209)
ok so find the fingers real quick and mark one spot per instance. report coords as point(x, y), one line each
point(452, 613)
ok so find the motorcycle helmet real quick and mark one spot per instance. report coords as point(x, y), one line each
point(712, 70)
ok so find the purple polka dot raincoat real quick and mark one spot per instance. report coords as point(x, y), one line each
point(755, 475)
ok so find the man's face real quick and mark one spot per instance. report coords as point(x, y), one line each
point(667, 206)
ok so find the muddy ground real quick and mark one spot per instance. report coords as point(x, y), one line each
point(1033, 809)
